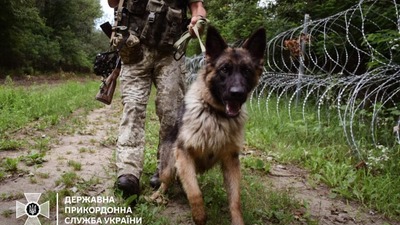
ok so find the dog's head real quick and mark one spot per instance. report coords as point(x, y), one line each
point(232, 73)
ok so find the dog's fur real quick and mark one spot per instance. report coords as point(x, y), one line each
point(210, 128)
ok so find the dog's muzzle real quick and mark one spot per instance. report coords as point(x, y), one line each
point(233, 103)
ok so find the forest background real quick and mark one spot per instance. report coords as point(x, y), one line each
point(43, 36)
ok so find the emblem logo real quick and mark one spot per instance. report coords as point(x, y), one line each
point(32, 209)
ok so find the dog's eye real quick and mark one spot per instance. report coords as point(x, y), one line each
point(224, 70)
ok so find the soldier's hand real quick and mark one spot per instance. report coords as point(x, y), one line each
point(193, 22)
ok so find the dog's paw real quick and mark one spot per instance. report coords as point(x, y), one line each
point(158, 198)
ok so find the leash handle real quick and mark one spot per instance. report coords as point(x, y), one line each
point(200, 24)
point(181, 44)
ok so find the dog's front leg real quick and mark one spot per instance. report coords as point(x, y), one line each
point(186, 170)
point(231, 170)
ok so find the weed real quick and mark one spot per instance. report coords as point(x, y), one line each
point(69, 179)
point(2, 175)
point(335, 175)
point(33, 180)
point(150, 213)
point(34, 158)
point(75, 165)
point(256, 164)
point(51, 196)
point(11, 196)
point(42, 144)
point(9, 144)
point(92, 141)
point(89, 184)
point(108, 141)
point(10, 164)
point(60, 158)
point(377, 158)
point(83, 150)
point(7, 213)
point(43, 175)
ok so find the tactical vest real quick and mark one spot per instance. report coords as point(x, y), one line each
point(156, 23)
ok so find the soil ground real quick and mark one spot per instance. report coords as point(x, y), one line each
point(92, 144)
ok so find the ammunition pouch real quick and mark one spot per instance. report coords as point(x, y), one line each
point(132, 51)
point(151, 22)
point(173, 29)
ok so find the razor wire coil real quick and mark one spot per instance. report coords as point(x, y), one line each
point(336, 72)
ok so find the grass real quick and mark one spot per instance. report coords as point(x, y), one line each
point(77, 166)
point(45, 105)
point(69, 179)
point(34, 158)
point(27, 110)
point(322, 149)
point(319, 147)
point(10, 164)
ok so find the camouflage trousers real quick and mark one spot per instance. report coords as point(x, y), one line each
point(168, 76)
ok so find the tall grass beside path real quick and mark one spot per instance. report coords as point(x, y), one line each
point(47, 104)
point(321, 148)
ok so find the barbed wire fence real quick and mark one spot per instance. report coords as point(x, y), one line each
point(347, 63)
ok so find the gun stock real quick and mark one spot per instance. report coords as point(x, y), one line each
point(107, 29)
point(107, 88)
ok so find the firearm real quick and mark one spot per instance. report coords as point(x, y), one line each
point(107, 65)
point(107, 87)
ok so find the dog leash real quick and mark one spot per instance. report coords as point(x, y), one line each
point(181, 44)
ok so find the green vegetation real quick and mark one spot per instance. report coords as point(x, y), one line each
point(69, 179)
point(322, 149)
point(33, 158)
point(44, 105)
point(10, 164)
point(77, 166)
point(44, 36)
point(65, 37)
point(25, 109)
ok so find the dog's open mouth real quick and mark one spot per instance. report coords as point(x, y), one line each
point(232, 108)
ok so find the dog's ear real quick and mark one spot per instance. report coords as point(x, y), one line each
point(256, 44)
point(215, 44)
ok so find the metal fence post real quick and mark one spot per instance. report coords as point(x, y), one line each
point(302, 43)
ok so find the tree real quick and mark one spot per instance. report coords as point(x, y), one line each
point(294, 10)
point(73, 28)
point(25, 39)
point(235, 19)
point(47, 35)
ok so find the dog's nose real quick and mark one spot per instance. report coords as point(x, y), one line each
point(237, 91)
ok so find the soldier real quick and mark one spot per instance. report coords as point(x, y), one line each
point(152, 26)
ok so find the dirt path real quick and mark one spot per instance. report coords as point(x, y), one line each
point(92, 144)
point(325, 209)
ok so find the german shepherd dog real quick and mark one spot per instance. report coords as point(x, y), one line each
point(210, 125)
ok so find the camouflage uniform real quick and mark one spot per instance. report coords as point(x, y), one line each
point(168, 76)
point(150, 62)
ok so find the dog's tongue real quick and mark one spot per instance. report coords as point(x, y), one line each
point(232, 108)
